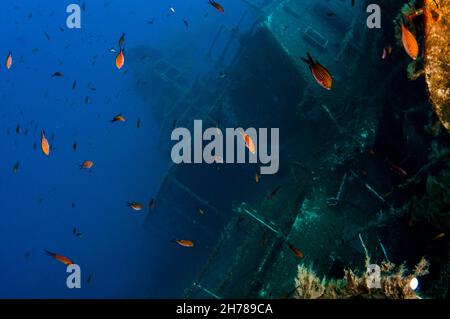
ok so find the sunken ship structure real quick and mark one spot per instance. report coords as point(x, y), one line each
point(364, 167)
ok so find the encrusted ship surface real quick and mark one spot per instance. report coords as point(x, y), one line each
point(437, 56)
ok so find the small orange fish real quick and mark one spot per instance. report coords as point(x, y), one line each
point(60, 258)
point(439, 236)
point(257, 177)
point(184, 243)
point(296, 252)
point(120, 59)
point(9, 60)
point(87, 165)
point(217, 6)
point(320, 73)
point(389, 49)
point(135, 206)
point(409, 43)
point(118, 118)
point(44, 144)
point(248, 142)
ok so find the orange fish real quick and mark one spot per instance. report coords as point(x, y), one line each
point(9, 60)
point(87, 165)
point(296, 252)
point(409, 43)
point(320, 73)
point(216, 5)
point(389, 49)
point(439, 236)
point(60, 258)
point(184, 243)
point(248, 142)
point(257, 177)
point(135, 206)
point(118, 118)
point(120, 59)
point(44, 144)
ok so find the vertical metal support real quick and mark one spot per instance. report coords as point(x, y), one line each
point(224, 236)
point(213, 44)
point(209, 292)
point(252, 214)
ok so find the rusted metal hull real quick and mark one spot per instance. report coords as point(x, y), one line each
point(437, 56)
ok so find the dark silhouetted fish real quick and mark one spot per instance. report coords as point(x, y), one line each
point(274, 192)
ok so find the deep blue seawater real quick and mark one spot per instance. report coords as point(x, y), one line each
point(124, 258)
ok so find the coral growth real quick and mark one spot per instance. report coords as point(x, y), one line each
point(394, 284)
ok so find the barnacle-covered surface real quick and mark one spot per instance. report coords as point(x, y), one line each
point(430, 20)
point(437, 56)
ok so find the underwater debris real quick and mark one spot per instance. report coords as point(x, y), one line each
point(369, 188)
point(435, 160)
point(332, 117)
point(333, 201)
point(273, 193)
point(383, 249)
